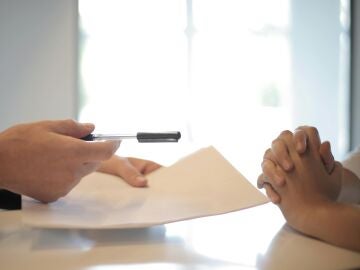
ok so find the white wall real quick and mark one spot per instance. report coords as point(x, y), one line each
point(38, 60)
point(38, 63)
point(319, 67)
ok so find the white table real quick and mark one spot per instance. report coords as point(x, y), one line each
point(254, 238)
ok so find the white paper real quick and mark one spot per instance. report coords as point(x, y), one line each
point(201, 184)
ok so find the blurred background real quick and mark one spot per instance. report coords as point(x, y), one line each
point(227, 73)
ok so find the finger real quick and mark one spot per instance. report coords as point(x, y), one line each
point(288, 139)
point(327, 157)
point(269, 155)
point(300, 140)
point(143, 165)
point(338, 170)
point(273, 175)
point(271, 193)
point(131, 174)
point(314, 140)
point(260, 181)
point(71, 128)
point(98, 151)
point(281, 153)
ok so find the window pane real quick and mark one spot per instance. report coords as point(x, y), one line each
point(220, 71)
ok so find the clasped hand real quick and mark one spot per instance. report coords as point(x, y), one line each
point(299, 173)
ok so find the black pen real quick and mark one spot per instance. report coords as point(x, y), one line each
point(142, 137)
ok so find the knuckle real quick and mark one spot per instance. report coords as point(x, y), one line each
point(267, 154)
point(299, 132)
point(279, 148)
point(266, 166)
point(276, 142)
point(313, 131)
point(70, 122)
point(303, 127)
point(286, 133)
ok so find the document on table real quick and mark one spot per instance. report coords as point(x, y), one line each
point(201, 184)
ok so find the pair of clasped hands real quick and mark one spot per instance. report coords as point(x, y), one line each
point(299, 170)
point(316, 195)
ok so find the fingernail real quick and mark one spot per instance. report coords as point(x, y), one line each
point(141, 180)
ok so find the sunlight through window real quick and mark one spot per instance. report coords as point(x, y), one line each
point(219, 71)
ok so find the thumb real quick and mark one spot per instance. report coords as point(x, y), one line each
point(71, 128)
point(300, 140)
point(327, 157)
point(131, 175)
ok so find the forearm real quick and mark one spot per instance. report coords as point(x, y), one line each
point(335, 223)
point(350, 188)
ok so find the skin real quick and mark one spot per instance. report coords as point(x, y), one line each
point(315, 194)
point(132, 170)
point(45, 160)
point(279, 154)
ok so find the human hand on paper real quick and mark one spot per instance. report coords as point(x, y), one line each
point(132, 170)
point(45, 160)
point(278, 155)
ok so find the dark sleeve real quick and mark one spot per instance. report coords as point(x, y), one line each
point(9, 200)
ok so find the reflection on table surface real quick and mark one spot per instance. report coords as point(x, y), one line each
point(254, 238)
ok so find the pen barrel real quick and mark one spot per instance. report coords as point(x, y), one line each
point(148, 137)
point(142, 137)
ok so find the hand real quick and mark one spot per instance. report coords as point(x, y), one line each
point(308, 186)
point(45, 160)
point(279, 154)
point(132, 170)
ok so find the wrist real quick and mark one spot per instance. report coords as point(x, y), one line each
point(316, 216)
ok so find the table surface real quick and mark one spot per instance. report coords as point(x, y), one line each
point(254, 238)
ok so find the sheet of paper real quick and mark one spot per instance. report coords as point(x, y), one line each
point(201, 184)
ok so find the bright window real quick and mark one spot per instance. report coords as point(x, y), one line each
point(219, 71)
